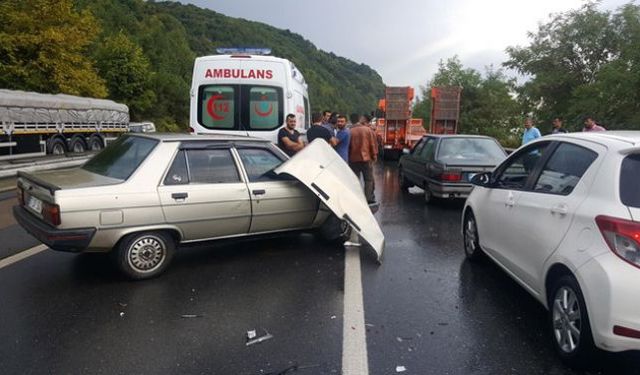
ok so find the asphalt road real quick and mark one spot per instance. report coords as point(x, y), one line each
point(425, 308)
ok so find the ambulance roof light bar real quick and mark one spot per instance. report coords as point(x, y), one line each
point(243, 51)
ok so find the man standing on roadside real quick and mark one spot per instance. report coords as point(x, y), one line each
point(591, 126)
point(326, 115)
point(343, 138)
point(363, 151)
point(318, 131)
point(530, 131)
point(289, 139)
point(557, 126)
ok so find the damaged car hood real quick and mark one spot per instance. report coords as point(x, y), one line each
point(322, 170)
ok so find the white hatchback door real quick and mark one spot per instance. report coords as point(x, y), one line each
point(544, 211)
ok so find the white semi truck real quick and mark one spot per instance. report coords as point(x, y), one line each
point(36, 124)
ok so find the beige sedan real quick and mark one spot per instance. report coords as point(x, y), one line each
point(145, 194)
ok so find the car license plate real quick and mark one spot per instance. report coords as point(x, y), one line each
point(35, 204)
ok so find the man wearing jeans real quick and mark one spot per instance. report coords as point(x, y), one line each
point(363, 151)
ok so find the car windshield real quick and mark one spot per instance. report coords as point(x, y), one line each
point(121, 158)
point(470, 151)
point(629, 179)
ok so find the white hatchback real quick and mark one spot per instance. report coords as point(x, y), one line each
point(561, 216)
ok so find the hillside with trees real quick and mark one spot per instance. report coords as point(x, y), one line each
point(141, 53)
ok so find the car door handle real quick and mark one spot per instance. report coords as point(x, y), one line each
point(560, 209)
point(177, 196)
point(259, 192)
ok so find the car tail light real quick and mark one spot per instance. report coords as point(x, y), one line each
point(622, 236)
point(20, 195)
point(451, 176)
point(51, 213)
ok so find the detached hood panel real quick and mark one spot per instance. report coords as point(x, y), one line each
point(322, 170)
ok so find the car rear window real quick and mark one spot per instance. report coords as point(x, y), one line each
point(630, 181)
point(470, 151)
point(122, 157)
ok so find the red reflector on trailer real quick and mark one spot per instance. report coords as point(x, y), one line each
point(627, 332)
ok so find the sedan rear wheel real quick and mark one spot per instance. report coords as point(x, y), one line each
point(470, 236)
point(428, 195)
point(570, 323)
point(145, 255)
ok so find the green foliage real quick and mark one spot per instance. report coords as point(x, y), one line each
point(487, 103)
point(43, 47)
point(127, 72)
point(584, 62)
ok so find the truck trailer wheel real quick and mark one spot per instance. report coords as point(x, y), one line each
point(56, 146)
point(77, 144)
point(96, 143)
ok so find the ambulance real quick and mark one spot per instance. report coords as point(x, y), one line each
point(247, 92)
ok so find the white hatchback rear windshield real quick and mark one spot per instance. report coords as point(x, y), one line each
point(630, 181)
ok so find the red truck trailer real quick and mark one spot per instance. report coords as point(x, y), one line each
point(445, 110)
point(397, 130)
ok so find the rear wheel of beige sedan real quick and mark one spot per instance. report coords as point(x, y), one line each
point(145, 255)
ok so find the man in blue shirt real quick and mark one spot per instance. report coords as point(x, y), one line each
point(343, 138)
point(530, 131)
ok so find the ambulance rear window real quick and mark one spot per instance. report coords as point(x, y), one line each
point(240, 107)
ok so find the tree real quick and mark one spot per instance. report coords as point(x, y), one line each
point(127, 72)
point(43, 48)
point(583, 62)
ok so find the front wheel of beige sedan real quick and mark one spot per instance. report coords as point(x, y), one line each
point(145, 255)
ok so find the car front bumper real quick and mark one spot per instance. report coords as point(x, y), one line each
point(612, 292)
point(70, 240)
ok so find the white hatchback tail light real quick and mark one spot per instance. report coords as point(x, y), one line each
point(622, 236)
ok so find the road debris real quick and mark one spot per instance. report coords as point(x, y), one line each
point(189, 316)
point(401, 369)
point(122, 314)
point(291, 369)
point(251, 334)
point(257, 340)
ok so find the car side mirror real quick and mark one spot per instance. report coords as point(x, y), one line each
point(481, 179)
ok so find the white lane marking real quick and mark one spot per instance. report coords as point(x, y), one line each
point(22, 255)
point(354, 341)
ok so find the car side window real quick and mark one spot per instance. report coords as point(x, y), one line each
point(563, 170)
point(429, 149)
point(515, 173)
point(212, 166)
point(259, 164)
point(416, 150)
point(178, 173)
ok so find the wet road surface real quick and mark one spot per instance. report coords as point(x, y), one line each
point(425, 307)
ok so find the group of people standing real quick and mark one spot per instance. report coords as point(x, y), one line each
point(355, 142)
point(531, 132)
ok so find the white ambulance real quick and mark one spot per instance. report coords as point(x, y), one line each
point(247, 92)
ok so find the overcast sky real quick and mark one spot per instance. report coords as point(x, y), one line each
point(403, 40)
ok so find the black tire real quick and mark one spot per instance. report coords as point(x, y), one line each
point(470, 238)
point(145, 255)
point(334, 230)
point(569, 323)
point(404, 183)
point(96, 143)
point(56, 146)
point(428, 195)
point(77, 144)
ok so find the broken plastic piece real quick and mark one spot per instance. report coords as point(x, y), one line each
point(257, 340)
point(251, 334)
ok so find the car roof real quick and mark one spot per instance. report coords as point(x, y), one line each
point(623, 137)
point(181, 137)
point(457, 136)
